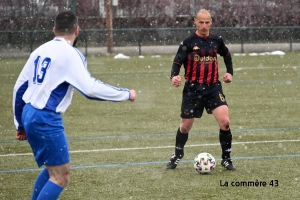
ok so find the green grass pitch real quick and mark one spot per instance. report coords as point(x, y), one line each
point(120, 150)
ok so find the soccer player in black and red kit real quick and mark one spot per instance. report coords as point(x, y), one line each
point(202, 88)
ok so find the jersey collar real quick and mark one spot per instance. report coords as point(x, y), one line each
point(62, 39)
point(195, 32)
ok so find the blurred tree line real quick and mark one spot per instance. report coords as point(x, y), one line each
point(39, 14)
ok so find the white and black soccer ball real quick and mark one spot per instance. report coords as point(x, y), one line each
point(204, 163)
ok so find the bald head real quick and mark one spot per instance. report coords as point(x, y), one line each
point(203, 22)
point(203, 12)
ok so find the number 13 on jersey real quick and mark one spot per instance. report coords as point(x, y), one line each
point(40, 69)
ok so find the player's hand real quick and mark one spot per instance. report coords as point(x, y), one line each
point(21, 135)
point(176, 81)
point(132, 95)
point(227, 78)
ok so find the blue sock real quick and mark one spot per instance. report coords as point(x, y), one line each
point(40, 182)
point(50, 191)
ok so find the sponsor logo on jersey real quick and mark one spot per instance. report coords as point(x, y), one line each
point(206, 59)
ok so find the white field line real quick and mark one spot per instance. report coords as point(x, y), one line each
point(159, 147)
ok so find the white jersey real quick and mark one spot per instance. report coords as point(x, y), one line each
point(50, 75)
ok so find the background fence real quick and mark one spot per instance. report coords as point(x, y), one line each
point(25, 24)
point(28, 40)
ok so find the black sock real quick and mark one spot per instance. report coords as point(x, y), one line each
point(181, 139)
point(225, 138)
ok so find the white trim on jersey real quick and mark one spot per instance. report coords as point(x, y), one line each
point(50, 75)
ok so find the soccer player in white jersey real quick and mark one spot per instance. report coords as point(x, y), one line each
point(43, 91)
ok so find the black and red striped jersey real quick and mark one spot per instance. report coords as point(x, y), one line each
point(199, 57)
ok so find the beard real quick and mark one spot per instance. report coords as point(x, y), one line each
point(75, 42)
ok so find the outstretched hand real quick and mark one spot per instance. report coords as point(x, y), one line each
point(227, 78)
point(21, 135)
point(132, 95)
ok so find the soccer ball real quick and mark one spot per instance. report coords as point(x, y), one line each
point(204, 163)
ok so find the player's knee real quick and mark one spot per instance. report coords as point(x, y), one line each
point(224, 124)
point(185, 128)
point(64, 180)
point(61, 178)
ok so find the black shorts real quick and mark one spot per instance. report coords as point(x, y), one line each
point(196, 97)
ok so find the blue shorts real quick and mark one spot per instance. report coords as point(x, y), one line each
point(45, 133)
